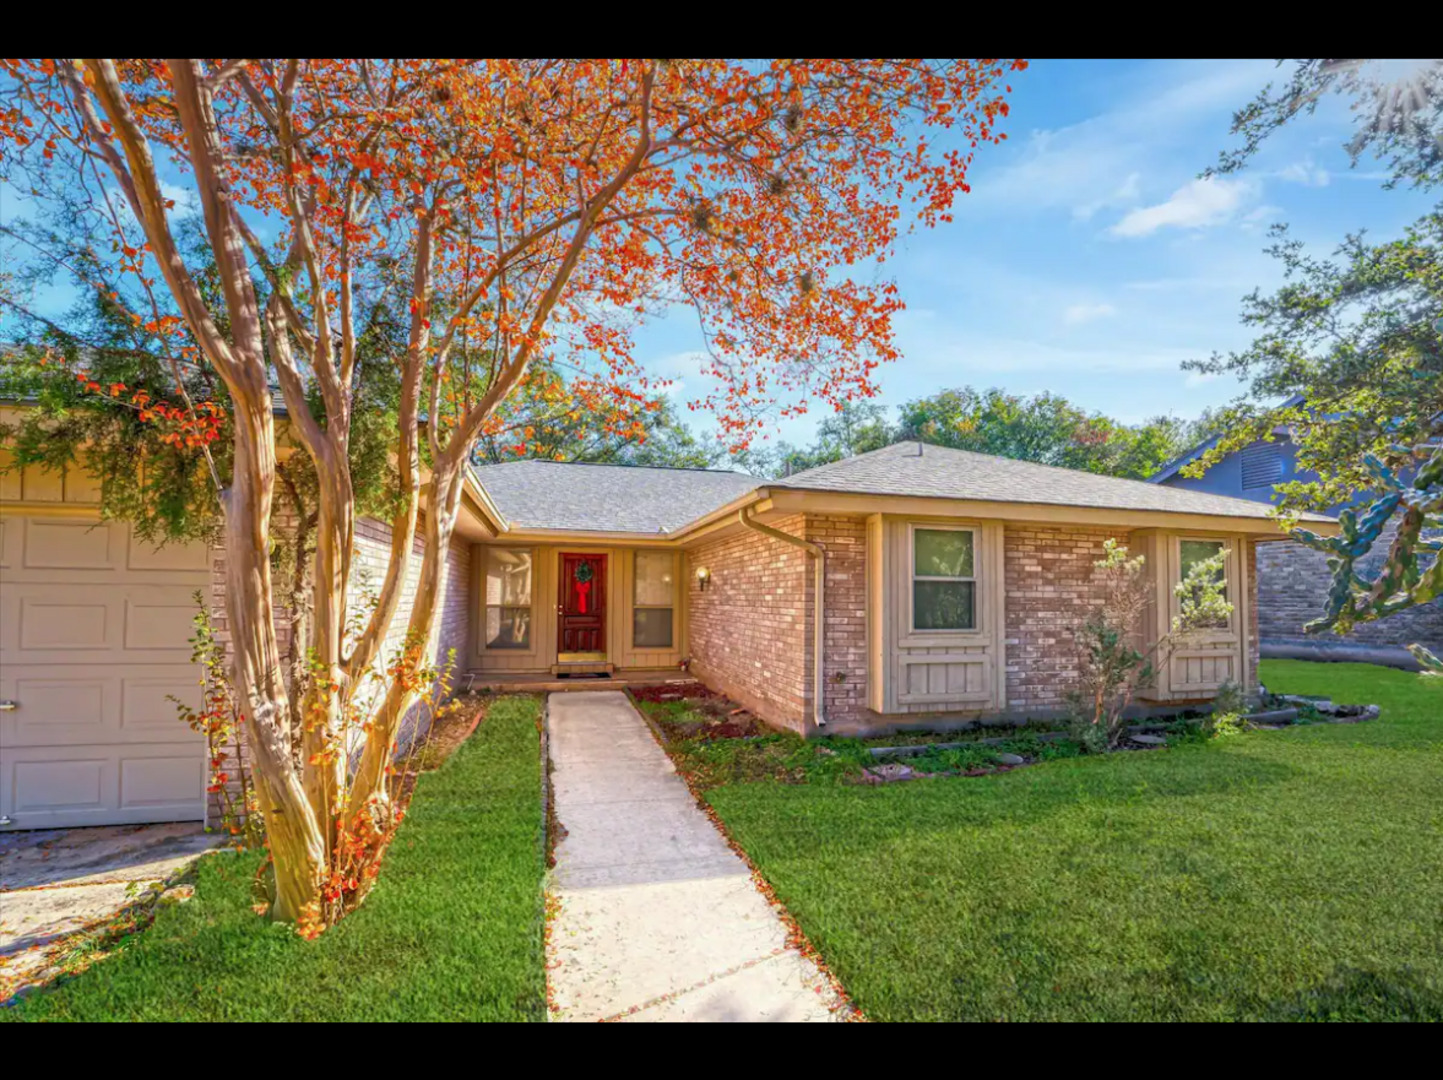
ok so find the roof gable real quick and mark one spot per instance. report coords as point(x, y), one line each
point(577, 497)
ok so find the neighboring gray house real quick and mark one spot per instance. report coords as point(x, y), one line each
point(1293, 579)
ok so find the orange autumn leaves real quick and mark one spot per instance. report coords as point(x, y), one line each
point(763, 195)
point(192, 428)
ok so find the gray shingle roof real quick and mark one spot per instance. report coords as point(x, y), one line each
point(910, 468)
point(608, 498)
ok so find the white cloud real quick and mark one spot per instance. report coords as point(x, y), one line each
point(184, 198)
point(1127, 193)
point(1197, 204)
point(1077, 314)
point(1098, 163)
point(1306, 173)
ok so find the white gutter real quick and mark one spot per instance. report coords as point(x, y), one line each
point(818, 555)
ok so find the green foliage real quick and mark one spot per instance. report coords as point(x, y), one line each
point(1046, 428)
point(1114, 660)
point(453, 931)
point(1258, 878)
point(1354, 346)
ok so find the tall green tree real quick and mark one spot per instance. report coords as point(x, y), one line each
point(1046, 428)
point(1356, 336)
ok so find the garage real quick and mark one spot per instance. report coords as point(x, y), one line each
point(94, 629)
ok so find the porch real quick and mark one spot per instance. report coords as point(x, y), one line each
point(540, 682)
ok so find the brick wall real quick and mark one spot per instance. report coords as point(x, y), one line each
point(747, 632)
point(1050, 588)
point(452, 623)
point(1293, 582)
point(368, 570)
point(844, 651)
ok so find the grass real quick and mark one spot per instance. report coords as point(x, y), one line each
point(1295, 874)
point(453, 930)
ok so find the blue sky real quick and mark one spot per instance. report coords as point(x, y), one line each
point(1089, 260)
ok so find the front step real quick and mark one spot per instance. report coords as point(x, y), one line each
point(591, 668)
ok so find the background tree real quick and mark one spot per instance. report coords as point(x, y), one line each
point(1357, 338)
point(511, 208)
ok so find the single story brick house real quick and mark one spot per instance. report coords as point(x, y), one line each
point(912, 580)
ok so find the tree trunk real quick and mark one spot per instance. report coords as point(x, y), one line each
point(443, 501)
point(323, 753)
point(297, 845)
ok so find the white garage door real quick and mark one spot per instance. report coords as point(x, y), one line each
point(93, 641)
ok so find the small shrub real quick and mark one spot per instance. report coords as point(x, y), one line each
point(1113, 662)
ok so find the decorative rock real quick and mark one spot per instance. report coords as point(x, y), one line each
point(1149, 740)
point(1011, 759)
point(890, 772)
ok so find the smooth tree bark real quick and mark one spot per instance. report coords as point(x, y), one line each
point(520, 210)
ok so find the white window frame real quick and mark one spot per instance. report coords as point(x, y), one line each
point(912, 630)
point(532, 631)
point(672, 607)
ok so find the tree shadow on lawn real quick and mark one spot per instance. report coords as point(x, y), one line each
point(1354, 995)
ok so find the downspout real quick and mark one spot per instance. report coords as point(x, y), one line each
point(818, 555)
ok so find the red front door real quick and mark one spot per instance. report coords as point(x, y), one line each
point(583, 606)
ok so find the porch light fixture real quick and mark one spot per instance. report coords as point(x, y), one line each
point(703, 577)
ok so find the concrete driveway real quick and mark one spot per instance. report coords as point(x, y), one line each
point(57, 883)
point(659, 919)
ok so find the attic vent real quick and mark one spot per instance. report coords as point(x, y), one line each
point(1262, 465)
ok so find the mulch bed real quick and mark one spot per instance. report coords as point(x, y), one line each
point(720, 717)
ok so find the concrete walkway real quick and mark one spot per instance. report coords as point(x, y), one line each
point(59, 882)
point(659, 919)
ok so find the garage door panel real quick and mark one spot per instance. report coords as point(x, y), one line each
point(71, 544)
point(44, 623)
point(53, 784)
point(160, 781)
point(99, 705)
point(170, 557)
point(67, 550)
point(54, 787)
point(94, 631)
point(158, 619)
point(147, 708)
point(50, 623)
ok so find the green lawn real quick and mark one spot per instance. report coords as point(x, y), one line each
point(1295, 874)
point(453, 930)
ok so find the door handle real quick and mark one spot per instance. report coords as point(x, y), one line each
point(9, 706)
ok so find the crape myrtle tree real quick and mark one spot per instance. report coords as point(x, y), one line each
point(522, 212)
point(1353, 344)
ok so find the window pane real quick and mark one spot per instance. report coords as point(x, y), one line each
point(944, 605)
point(651, 628)
point(508, 628)
point(654, 578)
point(1196, 551)
point(508, 578)
point(942, 553)
point(1192, 552)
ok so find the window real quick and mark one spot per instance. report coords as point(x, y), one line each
point(1192, 552)
point(652, 590)
point(944, 591)
point(508, 599)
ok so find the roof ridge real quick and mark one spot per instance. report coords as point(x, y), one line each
point(615, 465)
